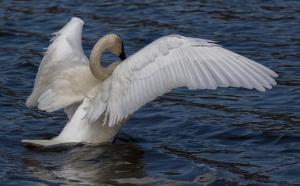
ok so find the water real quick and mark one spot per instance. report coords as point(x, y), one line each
point(226, 136)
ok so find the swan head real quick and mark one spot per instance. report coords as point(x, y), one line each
point(115, 45)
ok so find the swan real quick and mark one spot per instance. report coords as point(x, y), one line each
point(98, 101)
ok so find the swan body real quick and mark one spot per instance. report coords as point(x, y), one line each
point(98, 100)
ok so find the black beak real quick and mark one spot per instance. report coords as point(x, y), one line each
point(122, 56)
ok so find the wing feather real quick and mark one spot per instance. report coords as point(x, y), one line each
point(63, 77)
point(170, 62)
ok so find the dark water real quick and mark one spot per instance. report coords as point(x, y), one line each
point(226, 136)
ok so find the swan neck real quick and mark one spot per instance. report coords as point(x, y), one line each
point(97, 69)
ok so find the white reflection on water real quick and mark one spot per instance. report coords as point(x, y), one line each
point(86, 164)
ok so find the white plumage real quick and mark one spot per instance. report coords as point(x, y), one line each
point(65, 81)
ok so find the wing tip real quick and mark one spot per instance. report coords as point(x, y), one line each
point(77, 19)
point(275, 75)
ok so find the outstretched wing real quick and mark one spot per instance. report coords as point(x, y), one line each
point(170, 62)
point(63, 77)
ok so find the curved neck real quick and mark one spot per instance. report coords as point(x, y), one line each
point(97, 70)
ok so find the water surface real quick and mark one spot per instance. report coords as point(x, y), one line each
point(233, 136)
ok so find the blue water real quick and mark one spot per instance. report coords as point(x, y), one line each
point(225, 136)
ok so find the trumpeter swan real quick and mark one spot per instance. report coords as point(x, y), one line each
point(99, 100)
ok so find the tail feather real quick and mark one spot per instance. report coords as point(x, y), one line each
point(39, 143)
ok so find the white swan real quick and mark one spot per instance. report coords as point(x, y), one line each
point(99, 100)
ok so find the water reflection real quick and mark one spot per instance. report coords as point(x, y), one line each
point(85, 164)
